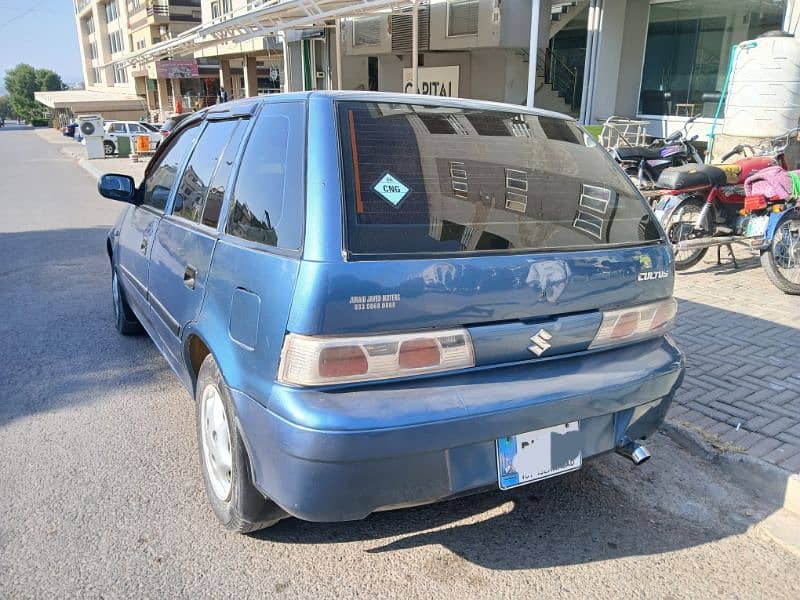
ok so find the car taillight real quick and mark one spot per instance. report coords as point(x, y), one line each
point(635, 323)
point(307, 360)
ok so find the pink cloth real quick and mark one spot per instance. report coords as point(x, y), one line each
point(772, 182)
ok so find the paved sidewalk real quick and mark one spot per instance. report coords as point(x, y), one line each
point(95, 167)
point(741, 336)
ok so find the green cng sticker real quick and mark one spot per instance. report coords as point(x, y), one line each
point(391, 189)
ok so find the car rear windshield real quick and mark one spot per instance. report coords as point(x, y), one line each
point(434, 180)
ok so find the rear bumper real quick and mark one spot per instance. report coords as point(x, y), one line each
point(340, 455)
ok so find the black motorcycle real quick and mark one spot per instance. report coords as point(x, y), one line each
point(643, 164)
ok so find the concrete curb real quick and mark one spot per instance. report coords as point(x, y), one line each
point(777, 485)
point(84, 163)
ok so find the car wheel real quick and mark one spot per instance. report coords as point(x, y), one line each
point(124, 319)
point(236, 502)
point(108, 148)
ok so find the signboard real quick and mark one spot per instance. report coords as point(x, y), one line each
point(433, 81)
point(177, 69)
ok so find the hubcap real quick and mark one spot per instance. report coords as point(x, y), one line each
point(216, 441)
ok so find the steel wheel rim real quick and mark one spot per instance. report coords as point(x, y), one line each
point(786, 250)
point(216, 441)
point(684, 221)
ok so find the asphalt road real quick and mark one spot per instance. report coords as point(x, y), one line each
point(102, 493)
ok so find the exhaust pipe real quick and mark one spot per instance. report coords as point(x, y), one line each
point(634, 452)
point(712, 241)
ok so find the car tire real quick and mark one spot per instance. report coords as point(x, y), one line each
point(124, 319)
point(109, 148)
point(236, 502)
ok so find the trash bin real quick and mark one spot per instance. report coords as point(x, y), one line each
point(142, 144)
point(123, 146)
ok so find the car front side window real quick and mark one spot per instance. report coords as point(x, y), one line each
point(158, 184)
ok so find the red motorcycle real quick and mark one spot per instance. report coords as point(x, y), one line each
point(705, 206)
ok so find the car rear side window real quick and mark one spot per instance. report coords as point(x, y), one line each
point(267, 205)
point(433, 180)
point(158, 184)
point(196, 180)
point(219, 183)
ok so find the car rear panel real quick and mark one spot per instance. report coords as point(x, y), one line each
point(503, 300)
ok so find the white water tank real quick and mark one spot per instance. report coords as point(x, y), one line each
point(764, 89)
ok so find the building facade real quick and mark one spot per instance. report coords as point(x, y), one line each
point(661, 60)
point(109, 31)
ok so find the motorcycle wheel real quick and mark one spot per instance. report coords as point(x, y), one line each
point(781, 261)
point(678, 228)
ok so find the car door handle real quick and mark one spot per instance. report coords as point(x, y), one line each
point(189, 277)
point(143, 246)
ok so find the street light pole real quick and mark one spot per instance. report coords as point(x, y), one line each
point(533, 51)
point(414, 46)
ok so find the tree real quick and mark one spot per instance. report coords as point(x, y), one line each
point(48, 81)
point(21, 84)
point(5, 108)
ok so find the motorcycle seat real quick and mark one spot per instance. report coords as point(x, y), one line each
point(686, 176)
point(732, 172)
point(638, 152)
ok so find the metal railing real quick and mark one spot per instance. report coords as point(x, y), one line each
point(156, 9)
point(560, 76)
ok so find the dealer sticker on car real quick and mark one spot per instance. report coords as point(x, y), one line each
point(540, 454)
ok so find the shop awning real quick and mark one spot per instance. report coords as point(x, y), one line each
point(90, 101)
point(258, 19)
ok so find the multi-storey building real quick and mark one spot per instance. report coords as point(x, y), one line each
point(109, 31)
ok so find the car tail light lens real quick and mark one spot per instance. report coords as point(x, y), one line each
point(307, 360)
point(635, 323)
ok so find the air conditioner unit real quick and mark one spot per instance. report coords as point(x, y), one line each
point(91, 128)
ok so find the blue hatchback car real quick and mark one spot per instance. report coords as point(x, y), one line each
point(380, 301)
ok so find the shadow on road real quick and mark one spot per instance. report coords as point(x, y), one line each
point(608, 510)
point(61, 348)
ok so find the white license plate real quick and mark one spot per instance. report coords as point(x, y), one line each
point(756, 226)
point(539, 454)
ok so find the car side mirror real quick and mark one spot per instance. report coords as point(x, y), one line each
point(117, 187)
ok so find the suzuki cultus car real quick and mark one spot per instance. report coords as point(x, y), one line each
point(380, 301)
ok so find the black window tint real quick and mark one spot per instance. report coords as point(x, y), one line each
point(216, 193)
point(158, 184)
point(499, 182)
point(267, 202)
point(193, 188)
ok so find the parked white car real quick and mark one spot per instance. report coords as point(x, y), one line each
point(129, 129)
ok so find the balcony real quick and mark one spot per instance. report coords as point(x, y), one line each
point(158, 9)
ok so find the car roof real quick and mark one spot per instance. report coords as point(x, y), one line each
point(394, 98)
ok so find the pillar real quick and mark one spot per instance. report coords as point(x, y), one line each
point(533, 51)
point(250, 76)
point(163, 96)
point(225, 76)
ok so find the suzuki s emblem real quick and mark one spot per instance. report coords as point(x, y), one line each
point(540, 342)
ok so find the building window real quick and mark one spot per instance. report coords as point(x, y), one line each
point(92, 50)
point(367, 31)
point(462, 17)
point(120, 75)
point(214, 10)
point(226, 6)
point(115, 42)
point(688, 50)
point(89, 25)
point(111, 11)
point(97, 76)
point(136, 4)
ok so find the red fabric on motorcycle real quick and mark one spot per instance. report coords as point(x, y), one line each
point(688, 176)
point(755, 202)
point(773, 183)
point(752, 165)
